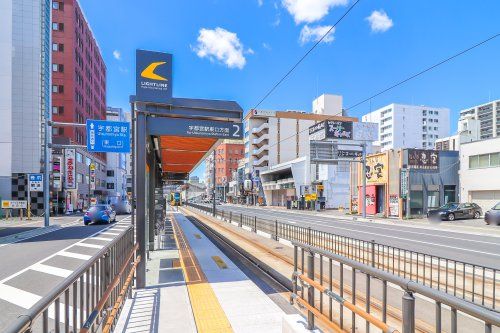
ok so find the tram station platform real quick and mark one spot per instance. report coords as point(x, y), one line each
point(192, 286)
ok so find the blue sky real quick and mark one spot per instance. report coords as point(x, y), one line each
point(258, 41)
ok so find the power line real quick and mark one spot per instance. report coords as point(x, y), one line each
point(411, 77)
point(304, 56)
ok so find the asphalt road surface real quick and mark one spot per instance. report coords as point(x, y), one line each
point(478, 245)
point(33, 267)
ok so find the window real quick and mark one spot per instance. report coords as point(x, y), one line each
point(432, 199)
point(87, 180)
point(57, 26)
point(79, 157)
point(57, 5)
point(57, 131)
point(484, 161)
point(88, 161)
point(57, 109)
point(58, 89)
point(416, 202)
point(110, 173)
point(58, 68)
point(79, 178)
point(110, 186)
point(57, 47)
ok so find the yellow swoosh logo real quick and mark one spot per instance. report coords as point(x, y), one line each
point(149, 72)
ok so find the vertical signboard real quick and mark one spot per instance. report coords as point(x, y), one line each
point(404, 183)
point(153, 78)
point(69, 166)
point(56, 174)
point(92, 176)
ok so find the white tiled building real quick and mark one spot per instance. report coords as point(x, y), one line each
point(25, 90)
point(409, 126)
point(488, 115)
point(479, 172)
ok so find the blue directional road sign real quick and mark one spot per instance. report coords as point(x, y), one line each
point(108, 136)
point(36, 182)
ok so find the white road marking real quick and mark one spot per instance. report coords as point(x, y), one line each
point(18, 296)
point(51, 270)
point(94, 246)
point(110, 233)
point(74, 255)
point(102, 238)
point(27, 299)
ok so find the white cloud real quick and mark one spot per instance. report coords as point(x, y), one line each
point(314, 34)
point(308, 11)
point(221, 45)
point(117, 54)
point(379, 21)
point(123, 69)
point(260, 2)
point(266, 46)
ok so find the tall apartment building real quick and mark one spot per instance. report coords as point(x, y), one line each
point(116, 164)
point(24, 94)
point(275, 138)
point(78, 93)
point(227, 156)
point(409, 126)
point(488, 115)
point(468, 130)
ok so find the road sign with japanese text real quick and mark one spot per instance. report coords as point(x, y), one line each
point(36, 182)
point(108, 136)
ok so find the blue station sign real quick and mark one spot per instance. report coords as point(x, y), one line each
point(108, 136)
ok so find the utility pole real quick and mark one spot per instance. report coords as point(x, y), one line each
point(213, 184)
point(363, 177)
point(46, 166)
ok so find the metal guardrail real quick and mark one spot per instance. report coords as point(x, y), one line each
point(68, 306)
point(468, 281)
point(305, 286)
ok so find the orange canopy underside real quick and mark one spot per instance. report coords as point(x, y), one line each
point(181, 154)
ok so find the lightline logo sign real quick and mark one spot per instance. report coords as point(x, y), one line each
point(153, 77)
point(69, 167)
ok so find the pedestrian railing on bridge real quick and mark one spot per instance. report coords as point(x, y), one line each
point(327, 286)
point(471, 282)
point(90, 299)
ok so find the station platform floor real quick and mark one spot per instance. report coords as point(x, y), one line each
point(192, 286)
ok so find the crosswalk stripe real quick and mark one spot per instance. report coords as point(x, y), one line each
point(18, 296)
point(51, 270)
point(74, 255)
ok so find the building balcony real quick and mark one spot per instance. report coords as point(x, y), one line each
point(259, 142)
point(264, 160)
point(261, 151)
point(262, 129)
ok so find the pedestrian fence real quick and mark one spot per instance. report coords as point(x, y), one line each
point(338, 298)
point(91, 298)
point(471, 282)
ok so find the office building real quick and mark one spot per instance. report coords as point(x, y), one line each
point(277, 151)
point(78, 94)
point(24, 95)
point(409, 126)
point(488, 115)
point(468, 131)
point(227, 156)
point(479, 172)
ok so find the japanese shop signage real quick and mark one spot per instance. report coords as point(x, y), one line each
point(423, 159)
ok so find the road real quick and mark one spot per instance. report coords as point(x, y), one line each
point(479, 245)
point(32, 267)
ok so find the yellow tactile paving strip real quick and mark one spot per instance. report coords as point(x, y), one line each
point(207, 311)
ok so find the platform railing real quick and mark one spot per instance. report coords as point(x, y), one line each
point(90, 298)
point(471, 282)
point(335, 295)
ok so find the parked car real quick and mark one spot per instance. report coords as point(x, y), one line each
point(493, 215)
point(99, 213)
point(453, 210)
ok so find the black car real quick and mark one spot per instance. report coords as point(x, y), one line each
point(453, 210)
point(493, 215)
